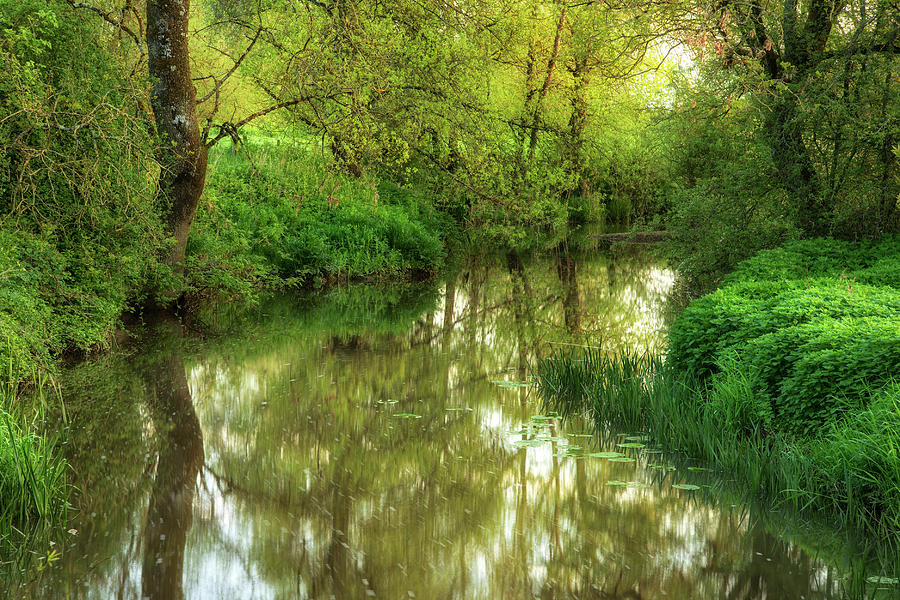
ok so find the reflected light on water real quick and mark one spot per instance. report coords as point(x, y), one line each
point(381, 441)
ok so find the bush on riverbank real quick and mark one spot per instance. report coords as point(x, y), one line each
point(292, 218)
point(813, 342)
point(786, 376)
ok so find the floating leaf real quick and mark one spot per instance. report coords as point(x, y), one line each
point(407, 416)
point(582, 435)
point(686, 486)
point(458, 408)
point(630, 445)
point(697, 469)
point(528, 443)
point(622, 459)
point(638, 485)
point(617, 482)
point(509, 384)
point(881, 580)
point(637, 438)
point(604, 454)
point(652, 451)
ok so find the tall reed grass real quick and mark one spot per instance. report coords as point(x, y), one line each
point(849, 476)
point(33, 487)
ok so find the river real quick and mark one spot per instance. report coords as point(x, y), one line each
point(384, 442)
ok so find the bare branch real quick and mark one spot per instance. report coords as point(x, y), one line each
point(231, 71)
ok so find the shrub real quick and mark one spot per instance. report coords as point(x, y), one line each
point(811, 339)
point(289, 220)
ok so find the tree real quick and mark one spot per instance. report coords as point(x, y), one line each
point(182, 149)
point(790, 49)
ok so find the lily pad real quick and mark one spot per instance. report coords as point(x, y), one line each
point(686, 486)
point(604, 454)
point(882, 580)
point(638, 485)
point(616, 482)
point(407, 416)
point(528, 443)
point(510, 384)
point(630, 445)
point(697, 468)
point(622, 459)
point(637, 438)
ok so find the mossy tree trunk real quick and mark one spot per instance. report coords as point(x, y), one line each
point(183, 154)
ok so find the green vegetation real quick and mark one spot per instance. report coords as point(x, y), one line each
point(34, 483)
point(786, 376)
point(272, 212)
point(157, 157)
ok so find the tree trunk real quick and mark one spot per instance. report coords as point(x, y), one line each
point(889, 179)
point(183, 154)
point(545, 86)
point(794, 166)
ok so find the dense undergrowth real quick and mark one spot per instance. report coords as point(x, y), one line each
point(275, 210)
point(786, 377)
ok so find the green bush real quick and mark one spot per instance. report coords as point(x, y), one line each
point(277, 213)
point(869, 261)
point(80, 226)
point(735, 314)
point(796, 322)
point(815, 372)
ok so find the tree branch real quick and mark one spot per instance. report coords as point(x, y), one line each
point(231, 71)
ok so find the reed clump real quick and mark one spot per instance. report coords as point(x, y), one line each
point(33, 486)
point(785, 377)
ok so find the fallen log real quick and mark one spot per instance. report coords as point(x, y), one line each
point(636, 237)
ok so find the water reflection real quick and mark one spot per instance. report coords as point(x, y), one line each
point(379, 443)
point(179, 457)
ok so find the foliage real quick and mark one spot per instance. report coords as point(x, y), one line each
point(33, 478)
point(812, 342)
point(850, 474)
point(79, 227)
point(294, 219)
point(785, 376)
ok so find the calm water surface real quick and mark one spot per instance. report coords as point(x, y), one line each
point(376, 442)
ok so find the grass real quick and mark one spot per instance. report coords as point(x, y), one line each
point(275, 209)
point(33, 486)
point(850, 475)
point(785, 377)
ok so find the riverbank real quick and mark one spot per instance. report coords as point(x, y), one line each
point(785, 376)
point(376, 431)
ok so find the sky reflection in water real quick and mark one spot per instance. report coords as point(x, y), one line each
point(362, 443)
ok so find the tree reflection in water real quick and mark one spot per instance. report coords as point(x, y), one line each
point(357, 443)
point(179, 458)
